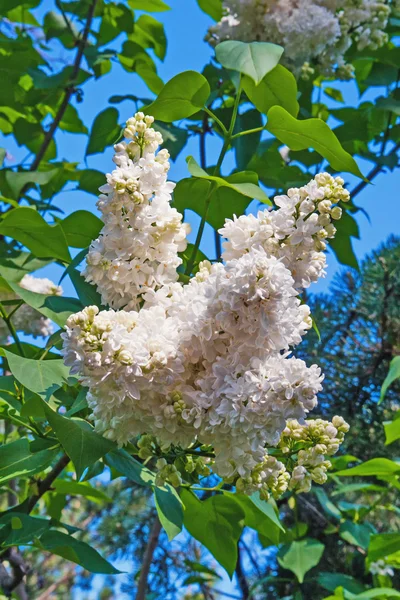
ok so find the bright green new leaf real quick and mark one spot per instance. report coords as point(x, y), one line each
point(76, 488)
point(373, 467)
point(78, 552)
point(240, 182)
point(149, 33)
point(181, 97)
point(254, 59)
point(81, 228)
point(16, 460)
point(212, 8)
point(217, 523)
point(149, 5)
point(277, 88)
point(169, 509)
point(300, 557)
point(27, 226)
point(383, 545)
point(105, 131)
point(392, 430)
point(39, 376)
point(83, 445)
point(378, 593)
point(394, 373)
point(311, 133)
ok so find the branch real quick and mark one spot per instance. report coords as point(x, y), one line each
point(147, 559)
point(241, 577)
point(47, 482)
point(47, 594)
point(69, 90)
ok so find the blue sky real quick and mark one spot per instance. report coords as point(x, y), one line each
point(185, 26)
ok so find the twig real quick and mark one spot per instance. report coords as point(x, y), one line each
point(47, 482)
point(241, 577)
point(69, 90)
point(47, 594)
point(147, 559)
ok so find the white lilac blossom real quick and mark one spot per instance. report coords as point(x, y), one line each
point(381, 567)
point(137, 249)
point(210, 362)
point(314, 33)
point(25, 318)
point(296, 232)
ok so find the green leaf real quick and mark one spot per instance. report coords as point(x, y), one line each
point(246, 187)
point(377, 593)
point(356, 534)
point(212, 8)
point(28, 227)
point(90, 180)
point(20, 529)
point(149, 5)
point(394, 373)
point(39, 376)
point(392, 430)
point(169, 509)
point(105, 131)
point(17, 180)
point(83, 445)
point(16, 460)
point(300, 557)
point(330, 581)
point(259, 515)
point(71, 121)
point(150, 33)
point(76, 551)
point(383, 545)
point(246, 145)
point(254, 59)
point(335, 94)
point(75, 488)
point(56, 308)
point(81, 228)
point(217, 523)
point(375, 466)
point(311, 133)
point(191, 194)
point(341, 244)
point(87, 292)
point(175, 138)
point(277, 88)
point(181, 97)
point(130, 467)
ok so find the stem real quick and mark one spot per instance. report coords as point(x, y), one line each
point(216, 119)
point(227, 141)
point(248, 132)
point(147, 559)
point(11, 329)
point(47, 482)
point(69, 90)
point(241, 577)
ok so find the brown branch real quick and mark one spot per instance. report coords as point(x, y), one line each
point(147, 559)
point(241, 577)
point(69, 90)
point(47, 594)
point(47, 482)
